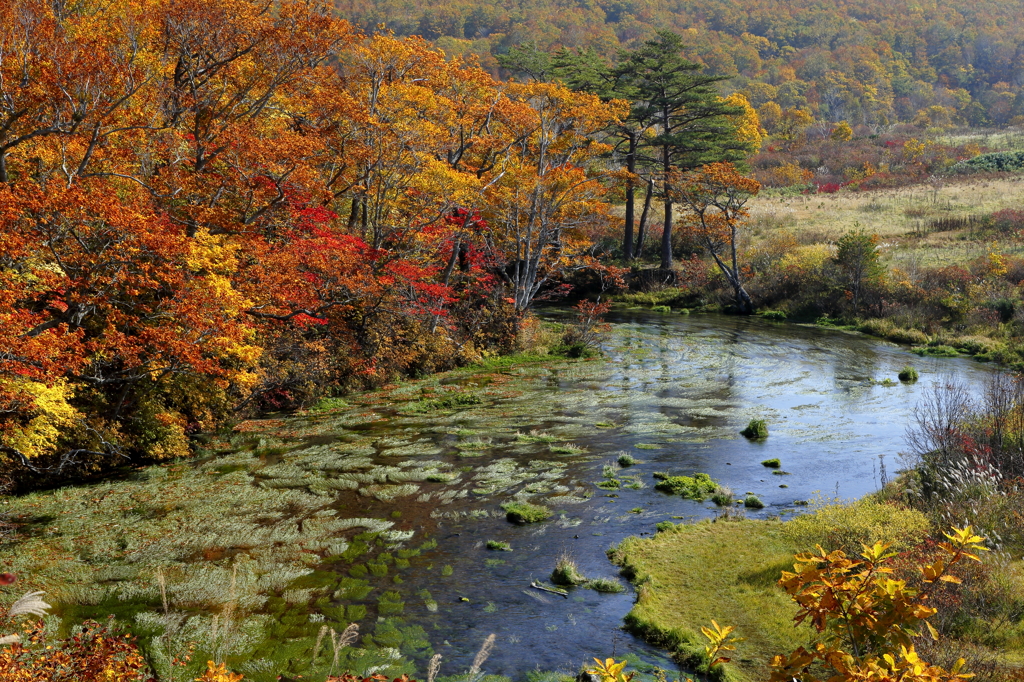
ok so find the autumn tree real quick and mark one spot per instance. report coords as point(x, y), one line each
point(715, 198)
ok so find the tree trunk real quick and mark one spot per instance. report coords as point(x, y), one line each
point(641, 234)
point(666, 235)
point(627, 237)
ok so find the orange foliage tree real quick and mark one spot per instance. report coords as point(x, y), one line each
point(234, 204)
point(715, 198)
point(865, 617)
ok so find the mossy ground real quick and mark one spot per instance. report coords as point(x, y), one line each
point(689, 574)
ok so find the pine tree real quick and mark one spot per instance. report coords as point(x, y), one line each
point(694, 125)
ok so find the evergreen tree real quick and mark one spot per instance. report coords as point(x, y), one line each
point(694, 125)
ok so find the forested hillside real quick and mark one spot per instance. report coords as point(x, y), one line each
point(868, 61)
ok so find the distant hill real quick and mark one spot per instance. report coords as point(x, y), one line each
point(870, 62)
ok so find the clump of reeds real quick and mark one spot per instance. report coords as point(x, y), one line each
point(567, 572)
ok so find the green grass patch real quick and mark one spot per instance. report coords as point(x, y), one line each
point(697, 487)
point(753, 502)
point(535, 436)
point(524, 512)
point(606, 585)
point(688, 574)
point(757, 429)
point(566, 571)
point(936, 351)
point(908, 374)
point(499, 546)
point(610, 484)
point(773, 463)
point(626, 460)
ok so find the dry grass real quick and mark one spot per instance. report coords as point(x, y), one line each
point(900, 216)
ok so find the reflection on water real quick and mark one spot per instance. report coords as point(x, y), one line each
point(681, 388)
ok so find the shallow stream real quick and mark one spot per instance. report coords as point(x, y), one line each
point(429, 475)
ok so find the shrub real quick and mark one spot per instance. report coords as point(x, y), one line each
point(626, 460)
point(566, 571)
point(499, 546)
point(865, 522)
point(908, 374)
point(757, 429)
point(774, 463)
point(1008, 221)
point(524, 512)
point(753, 502)
point(696, 487)
point(1005, 162)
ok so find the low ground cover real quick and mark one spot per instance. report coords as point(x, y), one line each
point(690, 574)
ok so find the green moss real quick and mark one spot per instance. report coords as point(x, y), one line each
point(525, 512)
point(774, 463)
point(697, 487)
point(757, 429)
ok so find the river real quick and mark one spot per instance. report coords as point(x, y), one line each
point(672, 390)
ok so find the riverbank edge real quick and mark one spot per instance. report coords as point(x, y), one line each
point(948, 345)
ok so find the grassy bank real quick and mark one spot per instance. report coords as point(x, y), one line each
point(691, 574)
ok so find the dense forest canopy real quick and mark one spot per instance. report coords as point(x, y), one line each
point(869, 62)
